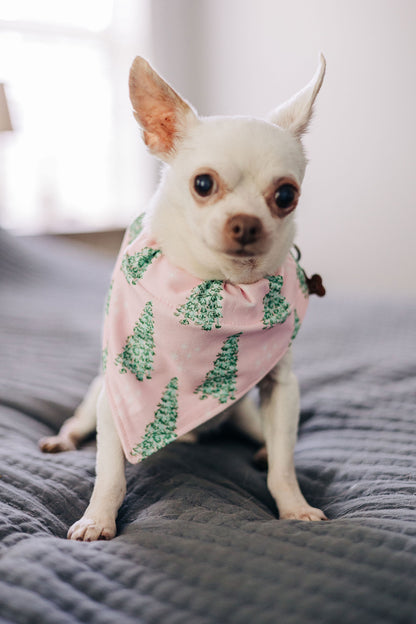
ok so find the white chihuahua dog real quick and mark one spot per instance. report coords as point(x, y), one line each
point(222, 220)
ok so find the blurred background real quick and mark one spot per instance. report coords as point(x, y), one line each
point(71, 159)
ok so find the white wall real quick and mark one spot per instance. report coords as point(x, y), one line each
point(357, 213)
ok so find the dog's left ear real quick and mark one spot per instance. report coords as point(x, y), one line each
point(295, 114)
point(162, 114)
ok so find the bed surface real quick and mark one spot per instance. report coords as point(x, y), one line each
point(199, 540)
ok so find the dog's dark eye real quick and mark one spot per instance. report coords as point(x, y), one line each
point(285, 196)
point(204, 184)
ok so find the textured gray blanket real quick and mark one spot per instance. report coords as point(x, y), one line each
point(199, 539)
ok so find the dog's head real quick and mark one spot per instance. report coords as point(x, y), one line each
point(226, 204)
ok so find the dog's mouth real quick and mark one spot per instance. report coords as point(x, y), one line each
point(246, 250)
point(242, 252)
point(239, 251)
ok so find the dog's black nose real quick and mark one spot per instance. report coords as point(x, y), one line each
point(243, 229)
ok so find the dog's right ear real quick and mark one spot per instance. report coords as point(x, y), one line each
point(163, 115)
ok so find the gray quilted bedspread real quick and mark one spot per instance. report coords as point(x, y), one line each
point(199, 540)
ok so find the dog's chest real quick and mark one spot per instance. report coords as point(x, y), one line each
point(178, 351)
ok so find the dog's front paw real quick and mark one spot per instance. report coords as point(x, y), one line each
point(304, 512)
point(89, 529)
point(56, 444)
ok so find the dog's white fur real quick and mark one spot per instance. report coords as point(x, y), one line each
point(247, 156)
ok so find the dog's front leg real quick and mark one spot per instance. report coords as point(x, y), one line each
point(279, 392)
point(99, 520)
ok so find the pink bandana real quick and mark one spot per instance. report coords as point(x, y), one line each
point(178, 350)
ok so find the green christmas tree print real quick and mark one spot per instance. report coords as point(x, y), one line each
point(137, 355)
point(221, 381)
point(162, 429)
point(301, 278)
point(107, 303)
point(296, 327)
point(203, 306)
point(136, 227)
point(275, 307)
point(104, 357)
point(135, 266)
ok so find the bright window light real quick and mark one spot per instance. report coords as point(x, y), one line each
point(93, 15)
point(75, 160)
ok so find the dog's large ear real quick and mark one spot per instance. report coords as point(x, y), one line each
point(163, 115)
point(295, 114)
